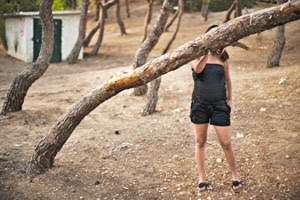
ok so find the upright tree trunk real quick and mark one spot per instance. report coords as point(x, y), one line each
point(73, 56)
point(21, 84)
point(45, 152)
point(148, 17)
point(238, 9)
point(127, 8)
point(147, 46)
point(205, 9)
point(97, 12)
point(279, 43)
point(91, 35)
point(104, 9)
point(119, 19)
point(150, 106)
point(230, 10)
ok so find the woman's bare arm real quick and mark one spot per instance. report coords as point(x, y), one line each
point(228, 83)
point(199, 64)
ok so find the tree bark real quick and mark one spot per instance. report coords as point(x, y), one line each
point(238, 9)
point(278, 47)
point(73, 56)
point(148, 18)
point(127, 8)
point(150, 106)
point(17, 92)
point(119, 19)
point(97, 12)
point(152, 97)
point(104, 8)
point(91, 35)
point(147, 46)
point(222, 36)
point(230, 10)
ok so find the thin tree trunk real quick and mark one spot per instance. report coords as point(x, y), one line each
point(152, 97)
point(238, 9)
point(73, 56)
point(104, 9)
point(97, 12)
point(119, 19)
point(127, 8)
point(74, 4)
point(148, 18)
point(91, 35)
point(97, 46)
point(180, 9)
point(147, 46)
point(230, 10)
point(206, 10)
point(21, 84)
point(150, 106)
point(45, 152)
point(172, 20)
point(278, 47)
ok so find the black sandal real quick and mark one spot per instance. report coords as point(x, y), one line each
point(236, 184)
point(203, 186)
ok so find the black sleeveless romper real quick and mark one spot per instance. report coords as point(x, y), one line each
point(209, 102)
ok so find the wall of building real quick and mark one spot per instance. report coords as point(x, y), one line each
point(19, 34)
point(70, 26)
point(16, 37)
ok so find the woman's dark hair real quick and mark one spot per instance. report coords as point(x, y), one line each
point(222, 53)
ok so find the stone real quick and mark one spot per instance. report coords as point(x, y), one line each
point(239, 135)
point(263, 109)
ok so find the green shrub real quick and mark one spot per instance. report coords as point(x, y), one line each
point(59, 5)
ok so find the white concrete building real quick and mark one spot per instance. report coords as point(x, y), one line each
point(24, 33)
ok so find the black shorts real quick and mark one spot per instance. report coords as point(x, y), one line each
point(217, 113)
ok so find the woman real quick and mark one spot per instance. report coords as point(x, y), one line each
point(211, 103)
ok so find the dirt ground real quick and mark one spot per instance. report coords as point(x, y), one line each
point(115, 153)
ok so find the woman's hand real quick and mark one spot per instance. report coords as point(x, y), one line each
point(230, 103)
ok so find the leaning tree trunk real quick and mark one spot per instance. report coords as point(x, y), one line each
point(104, 9)
point(97, 46)
point(97, 12)
point(91, 35)
point(148, 17)
point(73, 56)
point(171, 21)
point(119, 19)
point(147, 46)
point(238, 9)
point(230, 10)
point(222, 36)
point(279, 43)
point(17, 92)
point(278, 47)
point(153, 93)
point(127, 8)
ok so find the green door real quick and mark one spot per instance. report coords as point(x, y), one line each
point(37, 39)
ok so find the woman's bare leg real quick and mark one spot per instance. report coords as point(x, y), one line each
point(200, 140)
point(224, 135)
